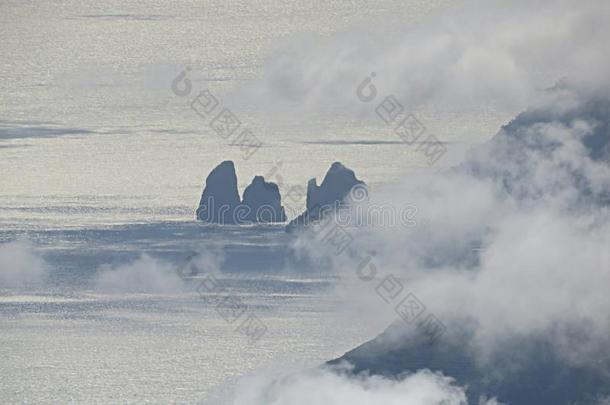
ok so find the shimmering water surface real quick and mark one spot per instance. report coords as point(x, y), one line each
point(100, 163)
point(90, 132)
point(65, 341)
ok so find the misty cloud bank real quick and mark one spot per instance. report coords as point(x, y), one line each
point(471, 55)
point(333, 386)
point(512, 246)
point(517, 237)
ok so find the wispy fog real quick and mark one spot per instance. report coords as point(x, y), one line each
point(467, 57)
point(513, 243)
point(21, 265)
point(332, 386)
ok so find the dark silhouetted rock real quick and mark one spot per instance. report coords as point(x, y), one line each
point(264, 201)
point(220, 202)
point(526, 371)
point(328, 196)
point(220, 197)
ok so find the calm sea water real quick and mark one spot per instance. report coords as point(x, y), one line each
point(90, 132)
point(100, 163)
point(65, 340)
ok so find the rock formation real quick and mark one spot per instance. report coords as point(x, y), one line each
point(220, 202)
point(338, 182)
point(220, 197)
point(264, 201)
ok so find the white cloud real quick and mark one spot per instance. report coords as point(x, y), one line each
point(142, 275)
point(469, 56)
point(333, 386)
point(150, 275)
point(20, 265)
point(515, 241)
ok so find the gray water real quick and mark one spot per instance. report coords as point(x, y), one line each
point(100, 163)
point(63, 339)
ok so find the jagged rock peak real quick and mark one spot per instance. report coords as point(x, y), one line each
point(220, 196)
point(337, 183)
point(220, 202)
point(333, 191)
point(264, 201)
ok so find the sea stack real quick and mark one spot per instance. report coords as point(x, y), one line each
point(264, 200)
point(220, 202)
point(220, 197)
point(338, 182)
